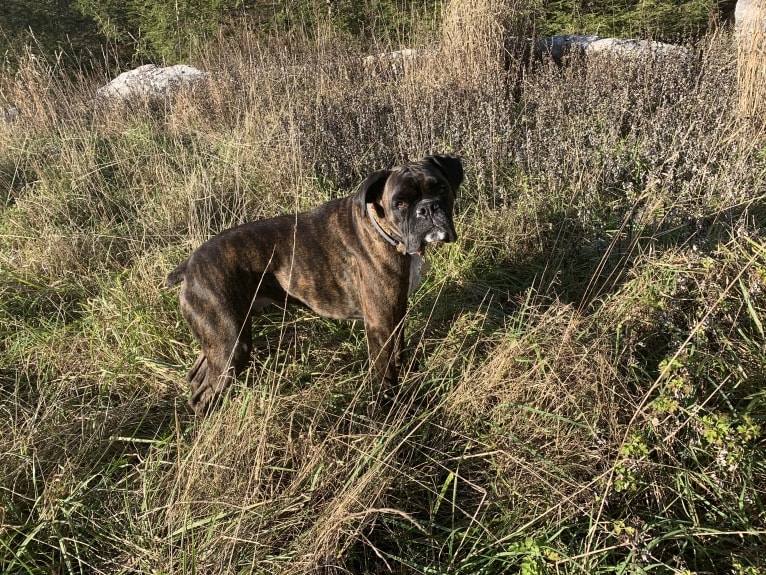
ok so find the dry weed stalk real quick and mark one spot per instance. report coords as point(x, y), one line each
point(473, 34)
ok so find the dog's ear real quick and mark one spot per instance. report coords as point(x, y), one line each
point(450, 165)
point(371, 189)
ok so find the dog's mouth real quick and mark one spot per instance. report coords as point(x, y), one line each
point(436, 236)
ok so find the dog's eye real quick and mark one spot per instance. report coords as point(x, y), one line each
point(400, 204)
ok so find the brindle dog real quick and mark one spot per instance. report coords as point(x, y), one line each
point(355, 257)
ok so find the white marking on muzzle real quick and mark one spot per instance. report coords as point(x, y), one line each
point(436, 235)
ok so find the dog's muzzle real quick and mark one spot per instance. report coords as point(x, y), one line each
point(429, 226)
point(441, 228)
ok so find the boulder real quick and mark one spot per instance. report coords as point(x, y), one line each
point(559, 47)
point(750, 36)
point(395, 61)
point(10, 115)
point(749, 20)
point(149, 83)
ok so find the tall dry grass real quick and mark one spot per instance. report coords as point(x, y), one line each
point(751, 64)
point(586, 393)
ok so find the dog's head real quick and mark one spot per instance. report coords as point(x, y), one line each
point(414, 202)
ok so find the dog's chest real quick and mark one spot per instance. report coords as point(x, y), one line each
point(419, 267)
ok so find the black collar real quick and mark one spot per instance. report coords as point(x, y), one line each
point(386, 235)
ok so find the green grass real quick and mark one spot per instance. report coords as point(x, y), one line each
point(586, 391)
point(666, 21)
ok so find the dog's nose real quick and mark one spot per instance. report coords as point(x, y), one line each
point(428, 209)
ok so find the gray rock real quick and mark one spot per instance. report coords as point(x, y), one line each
point(558, 47)
point(149, 83)
point(635, 48)
point(749, 20)
point(395, 61)
point(10, 115)
point(748, 15)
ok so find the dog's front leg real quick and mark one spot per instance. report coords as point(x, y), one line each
point(383, 344)
point(384, 326)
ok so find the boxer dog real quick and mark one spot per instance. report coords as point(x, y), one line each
point(356, 257)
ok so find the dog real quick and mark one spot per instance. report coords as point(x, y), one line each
point(356, 257)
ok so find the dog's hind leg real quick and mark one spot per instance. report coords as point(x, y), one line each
point(197, 372)
point(196, 378)
point(217, 366)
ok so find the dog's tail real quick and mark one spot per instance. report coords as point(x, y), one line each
point(177, 275)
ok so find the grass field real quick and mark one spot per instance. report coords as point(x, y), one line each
point(587, 394)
